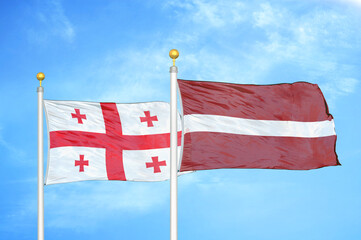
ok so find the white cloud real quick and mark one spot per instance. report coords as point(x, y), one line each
point(335, 88)
point(13, 152)
point(211, 13)
point(70, 205)
point(313, 43)
point(267, 16)
point(352, 2)
point(134, 75)
point(52, 22)
point(348, 85)
point(307, 41)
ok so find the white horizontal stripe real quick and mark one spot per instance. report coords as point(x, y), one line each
point(224, 124)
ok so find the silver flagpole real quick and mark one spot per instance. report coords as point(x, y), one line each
point(40, 76)
point(173, 148)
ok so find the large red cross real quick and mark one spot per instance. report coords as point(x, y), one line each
point(155, 164)
point(81, 163)
point(112, 140)
point(79, 116)
point(149, 119)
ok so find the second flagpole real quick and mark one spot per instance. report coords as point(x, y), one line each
point(173, 148)
point(40, 76)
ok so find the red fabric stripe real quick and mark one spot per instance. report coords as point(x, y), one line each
point(101, 140)
point(114, 151)
point(76, 139)
point(113, 126)
point(206, 150)
point(299, 101)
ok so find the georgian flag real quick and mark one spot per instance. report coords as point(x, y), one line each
point(282, 126)
point(108, 141)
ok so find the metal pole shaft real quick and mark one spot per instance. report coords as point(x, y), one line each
point(173, 155)
point(40, 91)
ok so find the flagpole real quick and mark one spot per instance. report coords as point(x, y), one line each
point(173, 148)
point(40, 76)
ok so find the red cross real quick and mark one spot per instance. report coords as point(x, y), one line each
point(149, 119)
point(155, 164)
point(79, 116)
point(112, 140)
point(81, 163)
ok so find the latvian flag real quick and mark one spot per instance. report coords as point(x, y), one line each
point(283, 126)
point(107, 141)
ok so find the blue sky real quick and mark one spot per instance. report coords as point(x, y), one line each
point(118, 51)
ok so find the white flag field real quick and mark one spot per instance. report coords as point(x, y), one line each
point(108, 141)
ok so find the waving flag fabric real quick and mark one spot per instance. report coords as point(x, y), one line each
point(283, 126)
point(107, 141)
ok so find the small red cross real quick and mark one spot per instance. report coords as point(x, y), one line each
point(149, 119)
point(156, 164)
point(81, 163)
point(79, 116)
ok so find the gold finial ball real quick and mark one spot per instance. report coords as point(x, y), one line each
point(40, 76)
point(173, 53)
